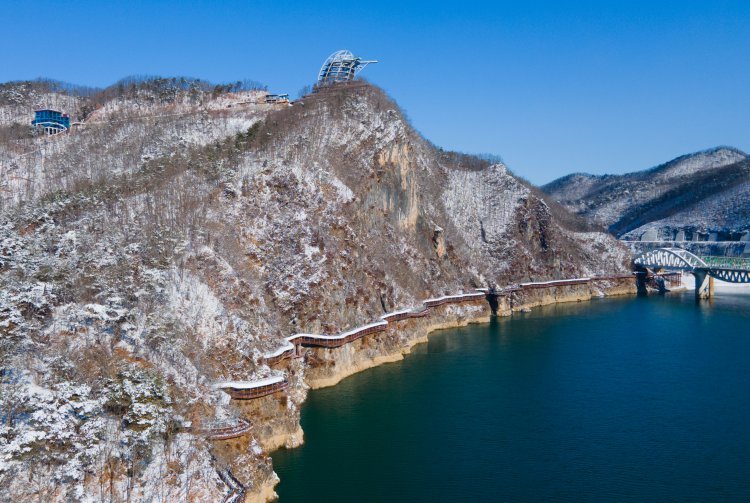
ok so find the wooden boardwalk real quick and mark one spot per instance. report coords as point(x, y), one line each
point(221, 431)
point(248, 390)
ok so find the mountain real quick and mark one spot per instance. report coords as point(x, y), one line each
point(182, 231)
point(697, 196)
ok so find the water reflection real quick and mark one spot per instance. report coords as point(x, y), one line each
point(632, 399)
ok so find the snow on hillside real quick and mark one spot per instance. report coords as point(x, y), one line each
point(103, 149)
point(484, 203)
point(727, 211)
point(698, 162)
point(143, 104)
point(609, 199)
point(171, 243)
point(18, 102)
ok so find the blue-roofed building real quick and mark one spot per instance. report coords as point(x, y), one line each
point(51, 121)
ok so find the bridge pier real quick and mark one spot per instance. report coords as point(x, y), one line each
point(640, 281)
point(704, 285)
point(730, 269)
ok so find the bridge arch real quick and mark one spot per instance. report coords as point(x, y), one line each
point(670, 258)
point(677, 259)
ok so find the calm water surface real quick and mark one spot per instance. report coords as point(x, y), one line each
point(611, 400)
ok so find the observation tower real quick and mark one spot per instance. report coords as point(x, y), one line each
point(341, 66)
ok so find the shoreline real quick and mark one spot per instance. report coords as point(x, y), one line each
point(320, 383)
point(458, 319)
point(395, 357)
point(480, 364)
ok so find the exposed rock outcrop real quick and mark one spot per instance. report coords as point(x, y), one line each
point(176, 240)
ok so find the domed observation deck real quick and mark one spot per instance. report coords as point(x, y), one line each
point(341, 66)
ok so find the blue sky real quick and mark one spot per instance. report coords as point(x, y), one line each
point(552, 87)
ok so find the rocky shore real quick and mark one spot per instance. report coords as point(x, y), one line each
point(278, 421)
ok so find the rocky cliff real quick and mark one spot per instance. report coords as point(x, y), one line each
point(181, 232)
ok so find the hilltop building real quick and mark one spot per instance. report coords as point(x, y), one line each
point(51, 121)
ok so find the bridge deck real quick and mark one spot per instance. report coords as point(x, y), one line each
point(730, 269)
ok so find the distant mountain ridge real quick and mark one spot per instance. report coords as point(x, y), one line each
point(701, 195)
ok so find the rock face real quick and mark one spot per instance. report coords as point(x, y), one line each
point(695, 197)
point(180, 234)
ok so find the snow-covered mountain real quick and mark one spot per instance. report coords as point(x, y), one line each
point(182, 231)
point(700, 196)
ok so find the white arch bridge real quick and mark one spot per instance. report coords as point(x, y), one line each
point(705, 269)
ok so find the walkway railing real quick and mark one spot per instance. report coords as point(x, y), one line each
point(556, 283)
point(612, 277)
point(237, 490)
point(406, 314)
point(246, 390)
point(286, 351)
point(335, 341)
point(222, 430)
point(454, 299)
point(741, 263)
point(289, 349)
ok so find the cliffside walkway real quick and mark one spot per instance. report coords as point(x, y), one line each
point(237, 491)
point(221, 430)
point(704, 269)
point(247, 390)
point(335, 341)
point(258, 388)
point(293, 343)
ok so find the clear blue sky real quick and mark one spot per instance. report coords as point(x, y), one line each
point(551, 86)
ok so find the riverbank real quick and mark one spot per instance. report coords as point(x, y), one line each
point(327, 367)
point(580, 401)
point(333, 365)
